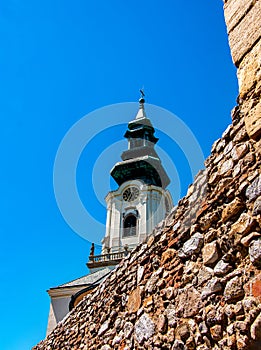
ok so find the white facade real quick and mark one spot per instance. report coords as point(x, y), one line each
point(148, 206)
point(61, 295)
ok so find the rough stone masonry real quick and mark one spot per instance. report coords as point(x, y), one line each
point(196, 282)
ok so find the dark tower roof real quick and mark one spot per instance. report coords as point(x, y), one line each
point(140, 161)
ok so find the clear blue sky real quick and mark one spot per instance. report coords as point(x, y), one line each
point(59, 61)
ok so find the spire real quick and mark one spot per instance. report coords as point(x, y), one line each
point(140, 160)
point(141, 112)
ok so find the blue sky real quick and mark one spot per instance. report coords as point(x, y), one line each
point(61, 60)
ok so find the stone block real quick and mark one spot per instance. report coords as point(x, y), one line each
point(134, 300)
point(243, 225)
point(144, 328)
point(226, 168)
point(249, 71)
point(193, 245)
point(222, 268)
point(167, 255)
point(255, 252)
point(246, 240)
point(188, 303)
point(234, 11)
point(253, 121)
point(243, 37)
point(257, 206)
point(204, 274)
point(213, 286)
point(128, 328)
point(234, 290)
point(239, 151)
point(255, 329)
point(216, 332)
point(182, 331)
point(254, 189)
point(140, 273)
point(104, 327)
point(162, 323)
point(256, 287)
point(232, 209)
point(210, 253)
point(171, 315)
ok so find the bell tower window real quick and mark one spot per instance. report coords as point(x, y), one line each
point(130, 226)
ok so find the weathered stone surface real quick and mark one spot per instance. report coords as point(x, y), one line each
point(255, 251)
point(148, 301)
point(229, 146)
point(178, 345)
point(243, 37)
point(257, 206)
point(255, 329)
point(249, 72)
point(210, 253)
point(168, 255)
point(182, 331)
point(242, 342)
point(232, 209)
point(105, 347)
point(188, 303)
point(151, 284)
point(213, 315)
point(216, 332)
point(222, 268)
point(253, 122)
point(128, 329)
point(203, 328)
point(171, 315)
point(162, 323)
point(226, 168)
point(144, 328)
point(249, 303)
point(234, 289)
point(241, 134)
point(208, 220)
point(239, 310)
point(254, 189)
point(140, 273)
point(213, 286)
point(242, 226)
point(193, 245)
point(134, 300)
point(204, 274)
point(256, 288)
point(104, 328)
point(235, 10)
point(239, 151)
point(247, 240)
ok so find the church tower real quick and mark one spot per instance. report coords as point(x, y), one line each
point(133, 210)
point(141, 200)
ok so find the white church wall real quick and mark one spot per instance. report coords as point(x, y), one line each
point(149, 207)
point(59, 308)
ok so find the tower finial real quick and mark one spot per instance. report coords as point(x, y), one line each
point(142, 100)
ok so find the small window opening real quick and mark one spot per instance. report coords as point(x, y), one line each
point(129, 226)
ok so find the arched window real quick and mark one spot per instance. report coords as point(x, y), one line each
point(129, 225)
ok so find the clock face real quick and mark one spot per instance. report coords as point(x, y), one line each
point(131, 194)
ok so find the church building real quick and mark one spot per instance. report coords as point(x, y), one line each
point(140, 202)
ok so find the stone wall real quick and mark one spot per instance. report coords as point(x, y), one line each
point(196, 282)
point(243, 19)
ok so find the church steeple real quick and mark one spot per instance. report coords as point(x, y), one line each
point(141, 113)
point(140, 160)
point(141, 201)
